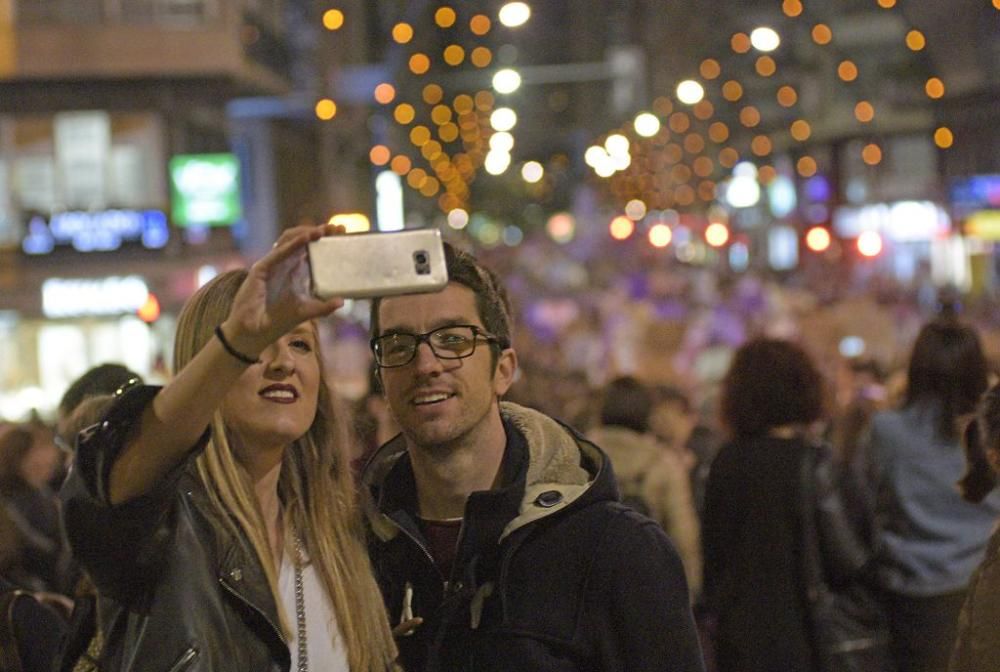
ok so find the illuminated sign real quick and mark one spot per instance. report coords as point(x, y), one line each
point(96, 231)
point(99, 296)
point(984, 225)
point(205, 189)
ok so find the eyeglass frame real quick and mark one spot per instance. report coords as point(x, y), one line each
point(477, 335)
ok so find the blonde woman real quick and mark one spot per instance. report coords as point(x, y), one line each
point(217, 515)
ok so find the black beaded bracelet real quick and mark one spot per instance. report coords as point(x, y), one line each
point(246, 359)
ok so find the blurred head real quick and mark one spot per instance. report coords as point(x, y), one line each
point(771, 383)
point(26, 459)
point(626, 403)
point(947, 367)
point(673, 418)
point(982, 448)
point(273, 403)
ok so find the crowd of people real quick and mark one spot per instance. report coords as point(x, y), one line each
point(705, 488)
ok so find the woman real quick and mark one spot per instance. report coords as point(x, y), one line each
point(216, 515)
point(978, 647)
point(930, 539)
point(754, 511)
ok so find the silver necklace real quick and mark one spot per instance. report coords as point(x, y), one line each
point(300, 609)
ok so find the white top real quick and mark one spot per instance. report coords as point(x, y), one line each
point(327, 652)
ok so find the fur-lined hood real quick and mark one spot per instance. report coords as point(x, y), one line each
point(563, 468)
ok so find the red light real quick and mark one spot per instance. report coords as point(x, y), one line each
point(818, 239)
point(149, 311)
point(870, 244)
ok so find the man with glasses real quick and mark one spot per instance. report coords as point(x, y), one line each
point(497, 539)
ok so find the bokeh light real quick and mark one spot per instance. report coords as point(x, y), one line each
point(453, 55)
point(660, 235)
point(532, 172)
point(915, 40)
point(800, 130)
point(385, 93)
point(871, 154)
point(445, 17)
point(934, 88)
point(326, 109)
point(943, 137)
point(765, 39)
point(379, 155)
point(506, 81)
point(419, 63)
point(818, 239)
point(740, 43)
point(514, 14)
point(864, 112)
point(481, 57)
point(404, 113)
point(847, 71)
point(869, 244)
point(333, 19)
point(646, 124)
point(821, 34)
point(710, 68)
point(402, 33)
point(690, 92)
point(621, 227)
point(480, 24)
point(787, 96)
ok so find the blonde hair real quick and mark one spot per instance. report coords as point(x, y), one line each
point(315, 487)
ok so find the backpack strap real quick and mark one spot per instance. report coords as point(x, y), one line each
point(10, 655)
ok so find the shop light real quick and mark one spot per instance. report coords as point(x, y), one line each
point(514, 14)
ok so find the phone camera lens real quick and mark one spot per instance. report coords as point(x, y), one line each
point(420, 258)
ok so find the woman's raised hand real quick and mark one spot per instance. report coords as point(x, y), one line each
point(275, 297)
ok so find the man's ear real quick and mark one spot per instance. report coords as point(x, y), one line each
point(506, 369)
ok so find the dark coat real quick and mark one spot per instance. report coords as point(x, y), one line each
point(551, 574)
point(751, 531)
point(978, 647)
point(178, 590)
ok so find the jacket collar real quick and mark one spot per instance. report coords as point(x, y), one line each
point(559, 468)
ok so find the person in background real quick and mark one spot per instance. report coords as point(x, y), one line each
point(652, 476)
point(217, 515)
point(27, 464)
point(99, 380)
point(496, 535)
point(772, 397)
point(929, 539)
point(676, 423)
point(977, 646)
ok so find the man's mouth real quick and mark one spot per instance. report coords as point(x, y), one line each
point(432, 398)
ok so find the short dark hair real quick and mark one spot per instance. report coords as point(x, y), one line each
point(770, 383)
point(492, 303)
point(626, 403)
point(947, 366)
point(100, 380)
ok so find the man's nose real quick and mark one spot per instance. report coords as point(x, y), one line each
point(425, 360)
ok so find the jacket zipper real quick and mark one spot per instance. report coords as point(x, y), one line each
point(185, 660)
point(260, 612)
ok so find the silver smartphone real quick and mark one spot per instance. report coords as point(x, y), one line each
point(363, 265)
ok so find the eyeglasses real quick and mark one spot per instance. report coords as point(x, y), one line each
point(456, 341)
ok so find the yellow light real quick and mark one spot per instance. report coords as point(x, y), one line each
point(431, 150)
point(404, 113)
point(728, 157)
point(621, 227)
point(716, 234)
point(660, 235)
point(822, 34)
point(385, 93)
point(333, 19)
point(431, 187)
point(765, 66)
point(479, 24)
point(703, 110)
point(441, 114)
point(818, 239)
point(419, 63)
point(791, 8)
point(694, 143)
point(710, 68)
point(454, 55)
point(732, 91)
point(800, 130)
point(684, 195)
point(872, 154)
point(934, 88)
point(703, 166)
point(400, 164)
point(326, 109)
point(706, 190)
point(419, 135)
point(718, 132)
point(864, 112)
point(463, 103)
point(886, 4)
point(379, 155)
point(402, 33)
point(149, 311)
point(869, 244)
point(915, 40)
point(432, 94)
point(448, 132)
point(847, 71)
point(806, 166)
point(416, 178)
point(765, 174)
point(749, 116)
point(761, 145)
point(943, 137)
point(353, 222)
point(445, 17)
point(679, 122)
point(740, 43)
point(787, 96)
point(481, 57)
point(662, 106)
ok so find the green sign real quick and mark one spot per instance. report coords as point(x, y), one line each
point(205, 189)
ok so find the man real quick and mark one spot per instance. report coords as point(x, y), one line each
point(497, 538)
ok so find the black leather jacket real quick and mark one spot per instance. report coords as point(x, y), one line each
point(178, 591)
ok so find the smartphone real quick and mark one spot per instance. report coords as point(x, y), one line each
point(363, 265)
